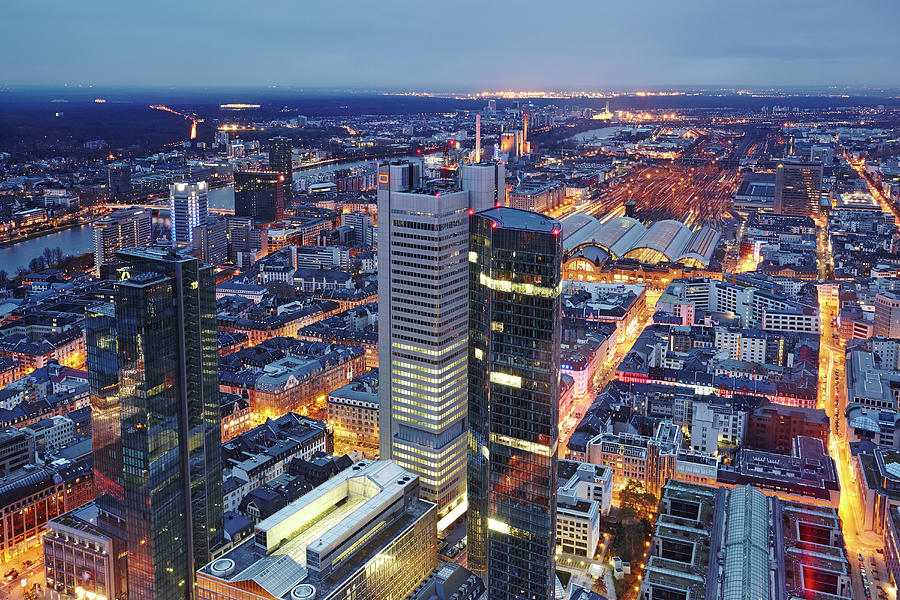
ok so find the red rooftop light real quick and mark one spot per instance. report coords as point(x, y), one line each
point(471, 211)
point(493, 224)
point(555, 231)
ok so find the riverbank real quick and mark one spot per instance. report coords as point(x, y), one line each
point(42, 233)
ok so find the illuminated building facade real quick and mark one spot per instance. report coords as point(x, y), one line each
point(259, 195)
point(422, 300)
point(120, 229)
point(154, 382)
point(31, 497)
point(363, 535)
point(189, 208)
point(514, 357)
point(85, 556)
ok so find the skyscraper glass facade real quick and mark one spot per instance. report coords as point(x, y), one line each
point(157, 366)
point(281, 159)
point(259, 194)
point(514, 346)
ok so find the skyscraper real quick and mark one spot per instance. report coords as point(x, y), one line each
point(514, 345)
point(118, 186)
point(281, 160)
point(189, 208)
point(260, 195)
point(798, 188)
point(123, 228)
point(422, 303)
point(486, 184)
point(153, 369)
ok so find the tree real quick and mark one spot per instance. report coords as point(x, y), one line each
point(634, 497)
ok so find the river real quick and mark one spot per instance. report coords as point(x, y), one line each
point(79, 240)
point(76, 240)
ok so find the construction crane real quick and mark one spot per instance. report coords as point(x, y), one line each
point(193, 119)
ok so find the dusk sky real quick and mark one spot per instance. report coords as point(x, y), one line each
point(458, 45)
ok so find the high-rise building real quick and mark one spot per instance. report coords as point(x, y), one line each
point(118, 187)
point(486, 184)
point(798, 188)
point(887, 314)
point(260, 195)
point(281, 160)
point(211, 240)
point(189, 208)
point(422, 304)
point(153, 370)
point(124, 228)
point(514, 360)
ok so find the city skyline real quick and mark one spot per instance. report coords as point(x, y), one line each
point(346, 45)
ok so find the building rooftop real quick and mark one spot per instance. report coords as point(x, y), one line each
point(321, 521)
point(514, 218)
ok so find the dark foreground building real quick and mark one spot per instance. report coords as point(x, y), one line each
point(514, 346)
point(153, 364)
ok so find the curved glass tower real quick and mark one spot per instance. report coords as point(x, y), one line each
point(514, 345)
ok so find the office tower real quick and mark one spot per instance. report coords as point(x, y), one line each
point(123, 228)
point(486, 184)
point(118, 187)
point(281, 160)
point(514, 349)
point(422, 287)
point(363, 225)
point(798, 188)
point(260, 195)
point(364, 534)
point(189, 209)
point(399, 175)
point(153, 370)
point(211, 241)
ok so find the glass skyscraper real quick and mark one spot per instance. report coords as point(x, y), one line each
point(259, 194)
point(154, 386)
point(281, 159)
point(514, 348)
